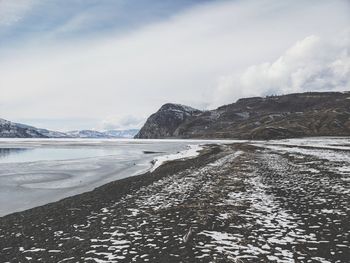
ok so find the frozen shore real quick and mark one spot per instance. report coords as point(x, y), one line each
point(37, 172)
point(248, 201)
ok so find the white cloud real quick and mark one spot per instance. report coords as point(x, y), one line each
point(121, 122)
point(12, 11)
point(312, 64)
point(176, 60)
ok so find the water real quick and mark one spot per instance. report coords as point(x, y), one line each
point(34, 172)
point(20, 155)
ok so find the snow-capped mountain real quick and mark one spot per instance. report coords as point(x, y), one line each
point(106, 134)
point(85, 134)
point(52, 134)
point(130, 133)
point(10, 129)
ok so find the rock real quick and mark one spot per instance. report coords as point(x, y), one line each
point(188, 237)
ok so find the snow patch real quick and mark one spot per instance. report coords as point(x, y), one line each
point(191, 152)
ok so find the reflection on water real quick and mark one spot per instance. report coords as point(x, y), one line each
point(6, 152)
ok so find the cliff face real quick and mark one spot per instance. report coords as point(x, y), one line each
point(293, 115)
point(165, 121)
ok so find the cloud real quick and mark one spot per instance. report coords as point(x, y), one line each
point(312, 64)
point(58, 20)
point(12, 11)
point(178, 59)
point(121, 122)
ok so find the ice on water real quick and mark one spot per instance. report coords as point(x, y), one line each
point(34, 172)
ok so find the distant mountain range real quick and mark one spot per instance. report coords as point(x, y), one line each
point(10, 129)
point(272, 117)
point(106, 134)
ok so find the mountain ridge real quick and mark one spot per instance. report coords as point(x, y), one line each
point(128, 133)
point(10, 129)
point(271, 117)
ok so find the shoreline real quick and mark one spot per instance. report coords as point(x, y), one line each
point(26, 181)
point(233, 202)
point(120, 183)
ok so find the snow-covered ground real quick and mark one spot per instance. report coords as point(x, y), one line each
point(276, 201)
point(332, 149)
point(191, 151)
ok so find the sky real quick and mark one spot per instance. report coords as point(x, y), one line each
point(109, 64)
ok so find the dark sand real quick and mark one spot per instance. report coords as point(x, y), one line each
point(242, 204)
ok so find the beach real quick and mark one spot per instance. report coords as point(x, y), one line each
point(241, 201)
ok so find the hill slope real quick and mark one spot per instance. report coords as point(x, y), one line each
point(286, 116)
point(10, 129)
point(166, 120)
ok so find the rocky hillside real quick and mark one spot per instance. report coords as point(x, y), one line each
point(165, 122)
point(10, 129)
point(286, 116)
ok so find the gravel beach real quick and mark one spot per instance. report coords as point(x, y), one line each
point(233, 203)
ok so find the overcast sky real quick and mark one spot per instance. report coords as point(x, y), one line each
point(105, 64)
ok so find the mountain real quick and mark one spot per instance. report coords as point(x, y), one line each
point(166, 120)
point(85, 134)
point(272, 117)
point(130, 133)
point(52, 134)
point(10, 129)
point(107, 134)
